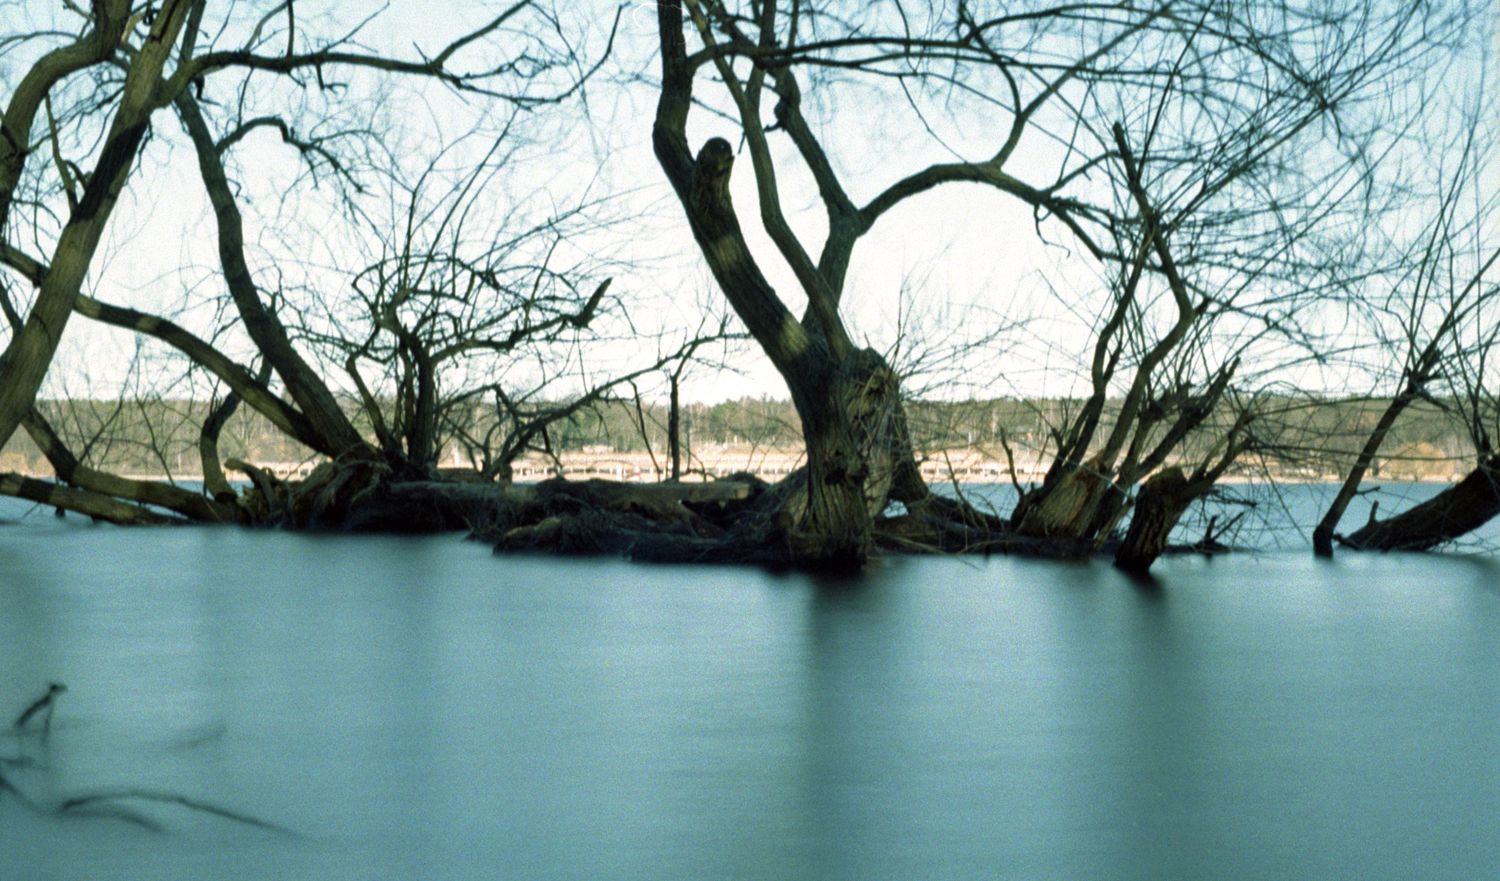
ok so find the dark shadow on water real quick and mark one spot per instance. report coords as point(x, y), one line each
point(837, 583)
point(1146, 584)
point(1484, 567)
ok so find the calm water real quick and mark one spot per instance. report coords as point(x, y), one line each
point(420, 709)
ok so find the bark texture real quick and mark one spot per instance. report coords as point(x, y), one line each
point(1159, 504)
point(25, 361)
point(847, 401)
point(68, 498)
point(1451, 514)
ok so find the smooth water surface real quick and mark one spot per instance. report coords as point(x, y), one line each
point(418, 708)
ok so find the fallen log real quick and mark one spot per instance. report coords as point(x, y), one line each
point(190, 504)
point(67, 498)
point(1449, 515)
point(426, 506)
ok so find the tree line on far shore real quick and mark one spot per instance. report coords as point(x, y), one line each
point(1319, 438)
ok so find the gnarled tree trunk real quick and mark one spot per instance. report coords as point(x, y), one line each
point(847, 399)
point(1159, 504)
point(855, 443)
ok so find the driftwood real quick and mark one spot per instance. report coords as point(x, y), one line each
point(925, 534)
point(722, 521)
point(415, 507)
point(329, 498)
point(736, 520)
point(157, 494)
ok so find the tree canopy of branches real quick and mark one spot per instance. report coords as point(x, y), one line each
point(1432, 313)
point(435, 298)
point(1191, 149)
point(1207, 170)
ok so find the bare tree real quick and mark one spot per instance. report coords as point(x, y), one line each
point(1436, 320)
point(109, 26)
point(452, 298)
point(133, 62)
point(1164, 141)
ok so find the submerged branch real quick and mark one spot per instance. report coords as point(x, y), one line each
point(108, 797)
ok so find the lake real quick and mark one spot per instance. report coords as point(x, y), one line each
point(417, 708)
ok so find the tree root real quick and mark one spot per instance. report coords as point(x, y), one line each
point(740, 519)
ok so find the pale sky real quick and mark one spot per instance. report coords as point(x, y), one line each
point(949, 267)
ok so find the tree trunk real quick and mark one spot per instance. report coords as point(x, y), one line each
point(336, 435)
point(93, 47)
point(190, 504)
point(421, 410)
point(1451, 514)
point(1416, 379)
point(1159, 504)
point(215, 484)
point(251, 389)
point(674, 427)
point(848, 403)
point(100, 507)
point(855, 444)
point(1066, 507)
point(25, 361)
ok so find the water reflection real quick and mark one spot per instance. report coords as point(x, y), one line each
point(418, 708)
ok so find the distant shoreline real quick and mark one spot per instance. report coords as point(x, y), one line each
point(967, 466)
